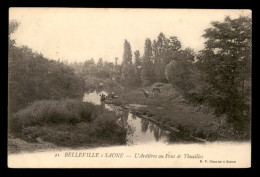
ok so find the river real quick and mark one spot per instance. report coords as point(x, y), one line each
point(148, 146)
point(140, 131)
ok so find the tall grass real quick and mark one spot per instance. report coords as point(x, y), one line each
point(51, 111)
point(67, 123)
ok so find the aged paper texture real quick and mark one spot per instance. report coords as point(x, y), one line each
point(129, 88)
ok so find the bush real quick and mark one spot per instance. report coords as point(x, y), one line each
point(55, 112)
point(70, 123)
point(106, 126)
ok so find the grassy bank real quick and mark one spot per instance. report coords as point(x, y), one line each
point(170, 110)
point(67, 123)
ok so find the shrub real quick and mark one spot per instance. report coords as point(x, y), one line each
point(69, 122)
point(106, 126)
point(55, 112)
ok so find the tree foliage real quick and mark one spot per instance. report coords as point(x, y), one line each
point(127, 56)
point(164, 51)
point(32, 77)
point(226, 62)
point(138, 66)
point(180, 70)
point(128, 70)
point(147, 69)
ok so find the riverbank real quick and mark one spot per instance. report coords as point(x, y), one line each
point(175, 136)
point(17, 146)
point(170, 110)
point(67, 123)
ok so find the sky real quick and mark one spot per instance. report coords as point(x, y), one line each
point(78, 34)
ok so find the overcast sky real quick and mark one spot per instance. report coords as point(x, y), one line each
point(78, 34)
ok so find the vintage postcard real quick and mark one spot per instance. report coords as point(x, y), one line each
point(129, 88)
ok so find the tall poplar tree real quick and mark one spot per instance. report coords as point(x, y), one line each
point(147, 70)
point(127, 68)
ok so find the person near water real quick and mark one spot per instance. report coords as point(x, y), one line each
point(103, 97)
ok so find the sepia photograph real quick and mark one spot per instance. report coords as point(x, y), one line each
point(129, 88)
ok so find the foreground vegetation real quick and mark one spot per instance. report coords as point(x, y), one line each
point(45, 105)
point(67, 123)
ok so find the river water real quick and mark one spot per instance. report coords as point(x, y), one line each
point(144, 140)
point(140, 131)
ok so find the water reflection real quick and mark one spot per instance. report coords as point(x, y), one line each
point(124, 118)
point(145, 125)
point(140, 133)
point(137, 128)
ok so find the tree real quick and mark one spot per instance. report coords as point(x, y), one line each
point(100, 63)
point(13, 26)
point(226, 63)
point(138, 66)
point(116, 59)
point(147, 71)
point(127, 60)
point(117, 69)
point(89, 67)
point(138, 62)
point(164, 51)
point(179, 71)
point(127, 67)
point(127, 56)
point(32, 77)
